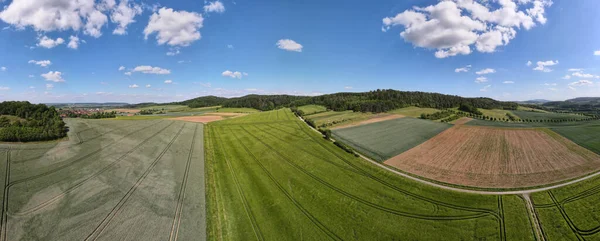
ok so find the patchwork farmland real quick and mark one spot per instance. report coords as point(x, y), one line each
point(110, 180)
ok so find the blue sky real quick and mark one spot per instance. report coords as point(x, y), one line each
point(230, 48)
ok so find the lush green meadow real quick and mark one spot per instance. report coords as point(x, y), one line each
point(272, 178)
point(311, 109)
point(111, 180)
point(332, 118)
point(414, 111)
point(535, 115)
point(237, 110)
point(383, 140)
point(496, 113)
point(586, 135)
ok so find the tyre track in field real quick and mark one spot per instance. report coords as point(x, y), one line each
point(65, 165)
point(76, 144)
point(181, 196)
point(368, 203)
point(534, 220)
point(579, 232)
point(79, 184)
point(416, 196)
point(4, 218)
point(117, 208)
point(306, 213)
point(501, 219)
point(249, 213)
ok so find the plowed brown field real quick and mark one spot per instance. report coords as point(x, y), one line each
point(497, 158)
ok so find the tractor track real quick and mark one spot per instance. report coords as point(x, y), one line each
point(4, 218)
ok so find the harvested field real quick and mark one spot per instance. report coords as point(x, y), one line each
point(201, 119)
point(374, 119)
point(497, 158)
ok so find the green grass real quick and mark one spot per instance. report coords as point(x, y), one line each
point(111, 179)
point(414, 111)
point(518, 226)
point(587, 136)
point(237, 110)
point(495, 113)
point(167, 107)
point(523, 108)
point(535, 115)
point(143, 117)
point(278, 180)
point(333, 118)
point(383, 140)
point(311, 109)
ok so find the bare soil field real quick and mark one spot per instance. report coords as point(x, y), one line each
point(201, 119)
point(374, 119)
point(497, 158)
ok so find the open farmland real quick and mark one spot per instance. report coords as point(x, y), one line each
point(497, 158)
point(311, 109)
point(383, 140)
point(112, 180)
point(535, 115)
point(332, 118)
point(274, 179)
point(586, 135)
point(496, 113)
point(414, 111)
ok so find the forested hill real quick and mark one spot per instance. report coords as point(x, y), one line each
point(372, 101)
point(23, 121)
point(583, 104)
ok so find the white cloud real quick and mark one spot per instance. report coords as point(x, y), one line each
point(43, 63)
point(49, 86)
point(486, 88)
point(3, 68)
point(529, 63)
point(168, 81)
point(173, 52)
point(582, 83)
point(73, 42)
point(481, 80)
point(150, 70)
point(289, 45)
point(95, 21)
point(236, 74)
point(572, 88)
point(543, 65)
point(508, 82)
point(347, 87)
point(463, 69)
point(121, 68)
point(566, 77)
point(584, 75)
point(49, 43)
point(451, 27)
point(133, 86)
point(550, 84)
point(128, 73)
point(53, 76)
point(148, 86)
point(215, 6)
point(575, 70)
point(486, 71)
point(597, 53)
point(175, 28)
point(4, 88)
point(123, 15)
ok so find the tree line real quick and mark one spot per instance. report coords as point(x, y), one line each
point(34, 123)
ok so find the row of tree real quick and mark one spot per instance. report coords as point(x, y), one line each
point(34, 123)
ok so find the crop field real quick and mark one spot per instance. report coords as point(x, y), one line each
point(112, 180)
point(414, 111)
point(496, 113)
point(333, 118)
point(586, 135)
point(535, 115)
point(383, 140)
point(274, 179)
point(311, 109)
point(237, 110)
point(497, 158)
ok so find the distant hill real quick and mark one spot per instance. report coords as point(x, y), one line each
point(86, 105)
point(590, 105)
point(585, 100)
point(534, 102)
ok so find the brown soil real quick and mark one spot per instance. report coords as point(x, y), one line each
point(126, 110)
point(374, 119)
point(497, 158)
point(201, 118)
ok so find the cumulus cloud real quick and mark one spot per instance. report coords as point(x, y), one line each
point(575, 70)
point(146, 69)
point(49, 43)
point(236, 74)
point(123, 15)
point(550, 84)
point(463, 69)
point(168, 81)
point(584, 75)
point(133, 86)
point(73, 42)
point(452, 27)
point(597, 53)
point(508, 82)
point(216, 6)
point(43, 63)
point(128, 73)
point(529, 63)
point(173, 52)
point(289, 45)
point(582, 83)
point(543, 65)
point(175, 28)
point(53, 76)
point(481, 79)
point(486, 88)
point(486, 71)
point(566, 77)
point(121, 68)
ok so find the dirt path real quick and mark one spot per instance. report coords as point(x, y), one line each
point(539, 234)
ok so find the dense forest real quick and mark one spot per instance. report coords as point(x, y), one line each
point(203, 101)
point(29, 122)
point(589, 105)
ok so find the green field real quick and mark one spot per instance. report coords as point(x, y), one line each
point(535, 115)
point(333, 118)
point(383, 140)
point(414, 111)
point(237, 110)
point(167, 107)
point(276, 179)
point(495, 113)
point(311, 109)
point(586, 135)
point(111, 180)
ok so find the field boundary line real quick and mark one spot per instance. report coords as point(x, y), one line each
point(79, 184)
point(4, 221)
point(533, 218)
point(369, 203)
point(116, 210)
point(312, 218)
point(249, 213)
point(181, 196)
